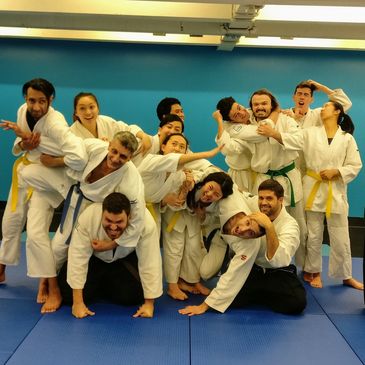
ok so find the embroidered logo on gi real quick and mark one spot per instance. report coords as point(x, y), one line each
point(237, 128)
point(243, 257)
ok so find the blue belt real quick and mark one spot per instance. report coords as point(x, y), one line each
point(74, 188)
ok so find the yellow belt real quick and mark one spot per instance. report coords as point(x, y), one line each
point(151, 208)
point(14, 182)
point(173, 221)
point(314, 191)
point(253, 177)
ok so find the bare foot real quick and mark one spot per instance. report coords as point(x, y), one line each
point(190, 288)
point(54, 299)
point(175, 292)
point(307, 276)
point(202, 289)
point(42, 290)
point(316, 281)
point(2, 273)
point(354, 283)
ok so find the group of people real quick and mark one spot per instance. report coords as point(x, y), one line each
point(124, 192)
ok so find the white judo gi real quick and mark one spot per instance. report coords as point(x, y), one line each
point(268, 159)
point(238, 154)
point(147, 248)
point(342, 154)
point(251, 251)
point(160, 177)
point(124, 180)
point(313, 118)
point(57, 140)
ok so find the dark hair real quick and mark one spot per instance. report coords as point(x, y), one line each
point(344, 120)
point(224, 106)
point(167, 138)
point(77, 99)
point(164, 107)
point(272, 185)
point(116, 203)
point(307, 85)
point(274, 102)
point(261, 232)
point(40, 85)
point(168, 118)
point(221, 178)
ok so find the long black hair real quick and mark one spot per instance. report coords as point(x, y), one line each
point(221, 178)
point(344, 120)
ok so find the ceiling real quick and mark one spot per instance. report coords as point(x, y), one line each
point(211, 22)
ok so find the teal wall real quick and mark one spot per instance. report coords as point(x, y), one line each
point(130, 79)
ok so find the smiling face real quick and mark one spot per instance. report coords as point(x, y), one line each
point(239, 114)
point(241, 225)
point(37, 103)
point(175, 144)
point(210, 192)
point(269, 203)
point(117, 156)
point(114, 224)
point(169, 128)
point(261, 106)
point(303, 98)
point(87, 110)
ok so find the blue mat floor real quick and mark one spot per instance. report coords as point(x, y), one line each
point(330, 331)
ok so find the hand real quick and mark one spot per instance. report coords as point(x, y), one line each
point(330, 174)
point(105, 139)
point(31, 142)
point(173, 200)
point(266, 130)
point(262, 219)
point(217, 116)
point(103, 245)
point(288, 112)
point(316, 84)
point(145, 310)
point(214, 151)
point(193, 310)
point(79, 310)
point(51, 161)
point(189, 182)
point(7, 125)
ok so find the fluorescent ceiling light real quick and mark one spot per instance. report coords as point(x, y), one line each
point(349, 44)
point(338, 14)
point(183, 39)
point(86, 35)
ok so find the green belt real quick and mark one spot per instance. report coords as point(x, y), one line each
point(282, 172)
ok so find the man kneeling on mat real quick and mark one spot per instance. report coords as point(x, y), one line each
point(98, 267)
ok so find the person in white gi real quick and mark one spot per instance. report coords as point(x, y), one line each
point(236, 127)
point(88, 123)
point(333, 160)
point(307, 117)
point(260, 271)
point(99, 267)
point(108, 169)
point(41, 130)
point(270, 159)
point(163, 174)
point(169, 105)
point(171, 123)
